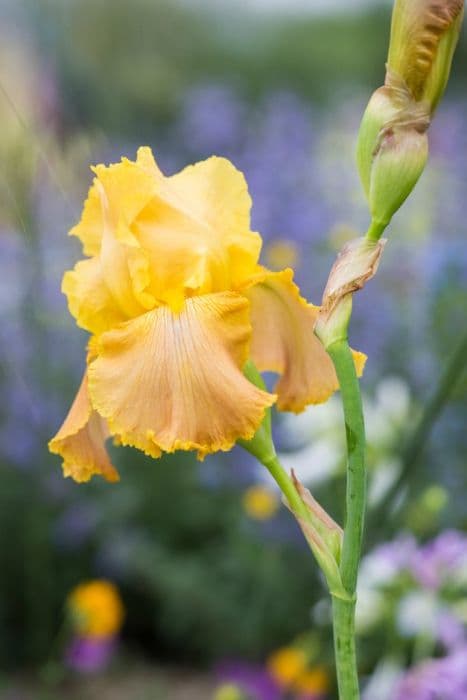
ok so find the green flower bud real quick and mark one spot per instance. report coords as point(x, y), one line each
point(392, 145)
point(392, 151)
point(424, 35)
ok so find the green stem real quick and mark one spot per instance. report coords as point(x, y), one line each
point(342, 358)
point(287, 486)
point(344, 611)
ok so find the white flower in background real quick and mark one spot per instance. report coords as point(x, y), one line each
point(387, 413)
point(323, 420)
point(378, 570)
point(382, 479)
point(418, 613)
point(383, 681)
point(371, 607)
point(393, 396)
point(316, 441)
point(316, 463)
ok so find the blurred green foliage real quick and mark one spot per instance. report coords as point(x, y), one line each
point(198, 579)
point(123, 65)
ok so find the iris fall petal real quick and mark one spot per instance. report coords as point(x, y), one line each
point(175, 380)
point(81, 441)
point(283, 341)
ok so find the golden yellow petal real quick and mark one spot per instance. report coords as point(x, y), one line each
point(89, 298)
point(195, 230)
point(216, 193)
point(81, 441)
point(89, 229)
point(185, 258)
point(125, 265)
point(161, 239)
point(283, 341)
point(175, 380)
point(129, 187)
point(146, 160)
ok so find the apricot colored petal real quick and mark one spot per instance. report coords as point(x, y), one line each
point(81, 441)
point(89, 298)
point(176, 381)
point(283, 341)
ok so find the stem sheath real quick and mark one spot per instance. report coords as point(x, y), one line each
point(287, 486)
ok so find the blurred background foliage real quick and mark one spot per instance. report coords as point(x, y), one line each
point(204, 574)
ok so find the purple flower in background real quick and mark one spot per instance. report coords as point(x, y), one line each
point(90, 654)
point(450, 630)
point(439, 679)
point(440, 560)
point(254, 680)
point(213, 121)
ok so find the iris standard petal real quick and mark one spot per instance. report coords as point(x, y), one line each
point(89, 298)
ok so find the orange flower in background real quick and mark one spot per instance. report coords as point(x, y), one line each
point(287, 665)
point(176, 303)
point(313, 682)
point(96, 609)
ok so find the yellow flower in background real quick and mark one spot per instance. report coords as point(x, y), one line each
point(96, 609)
point(228, 692)
point(260, 503)
point(286, 665)
point(281, 253)
point(176, 303)
point(313, 682)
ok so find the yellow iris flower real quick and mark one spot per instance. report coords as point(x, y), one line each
point(176, 303)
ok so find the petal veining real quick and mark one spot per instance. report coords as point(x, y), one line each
point(175, 380)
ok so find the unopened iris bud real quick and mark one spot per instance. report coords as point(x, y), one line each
point(392, 152)
point(424, 36)
point(392, 146)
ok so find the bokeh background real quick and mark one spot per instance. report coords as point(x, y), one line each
point(221, 597)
